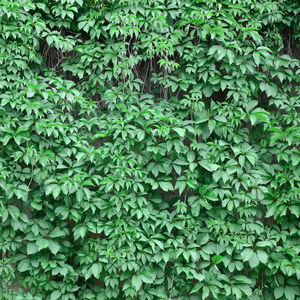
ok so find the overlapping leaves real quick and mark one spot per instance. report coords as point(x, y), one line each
point(149, 150)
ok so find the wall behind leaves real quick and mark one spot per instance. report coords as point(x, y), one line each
point(149, 149)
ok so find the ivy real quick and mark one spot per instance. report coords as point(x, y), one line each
point(149, 149)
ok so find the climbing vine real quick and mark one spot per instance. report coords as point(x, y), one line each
point(149, 149)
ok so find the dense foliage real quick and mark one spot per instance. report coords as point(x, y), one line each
point(149, 149)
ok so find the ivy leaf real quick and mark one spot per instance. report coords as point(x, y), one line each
point(141, 135)
point(278, 292)
point(137, 282)
point(166, 186)
point(256, 57)
point(56, 233)
point(32, 248)
point(263, 256)
point(24, 265)
point(202, 238)
point(208, 166)
point(54, 246)
point(290, 292)
point(30, 92)
point(96, 270)
point(230, 56)
point(147, 277)
point(181, 185)
point(246, 254)
point(253, 261)
point(190, 156)
point(180, 131)
point(55, 295)
point(14, 211)
point(205, 292)
point(42, 243)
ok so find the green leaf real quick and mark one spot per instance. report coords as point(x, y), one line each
point(246, 254)
point(230, 56)
point(30, 92)
point(177, 169)
point(55, 295)
point(262, 115)
point(253, 261)
point(56, 191)
point(14, 211)
point(54, 246)
point(96, 270)
point(208, 90)
point(251, 105)
point(136, 282)
point(147, 277)
point(205, 292)
point(208, 166)
point(181, 185)
point(202, 238)
point(42, 243)
point(49, 188)
point(191, 156)
point(294, 209)
point(212, 50)
point(180, 131)
point(263, 256)
point(290, 292)
point(166, 186)
point(256, 57)
point(24, 265)
point(56, 233)
point(278, 292)
point(210, 195)
point(217, 259)
point(141, 135)
point(32, 248)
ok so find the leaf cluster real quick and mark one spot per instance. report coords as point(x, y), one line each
point(149, 149)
